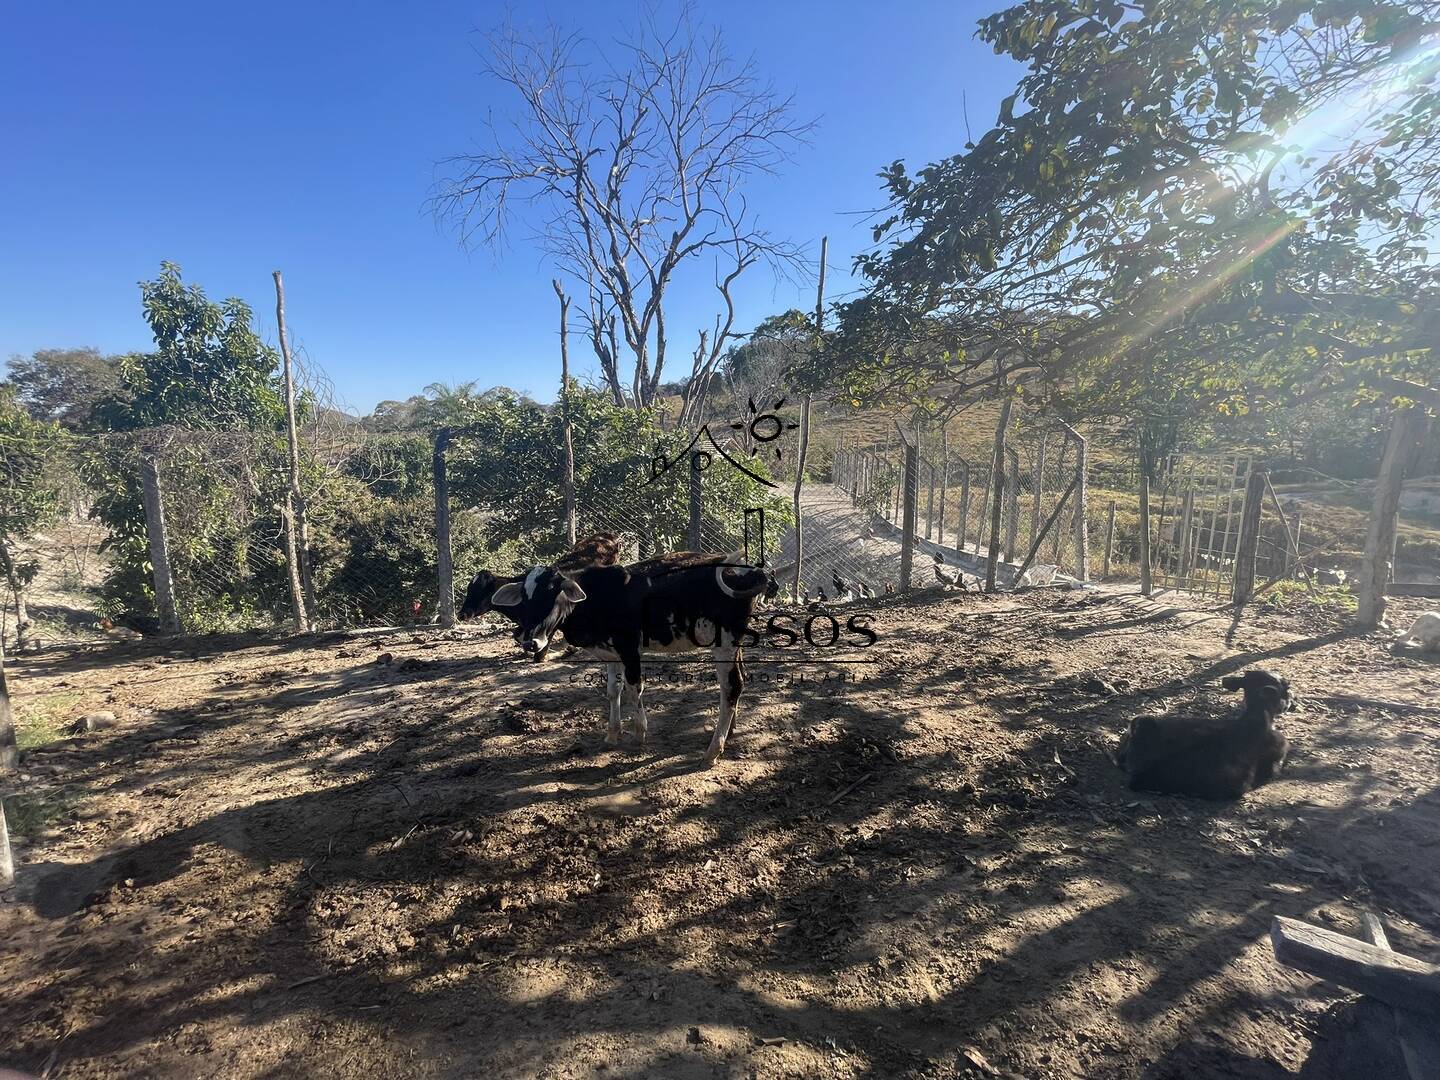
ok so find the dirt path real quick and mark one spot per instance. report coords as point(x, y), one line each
point(291, 860)
point(841, 539)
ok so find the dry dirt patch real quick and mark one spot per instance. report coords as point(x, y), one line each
point(288, 859)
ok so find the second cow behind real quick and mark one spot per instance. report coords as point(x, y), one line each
point(669, 604)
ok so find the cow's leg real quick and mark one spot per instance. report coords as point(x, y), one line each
point(614, 688)
point(730, 674)
point(635, 680)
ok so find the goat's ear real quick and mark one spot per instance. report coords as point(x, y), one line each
point(508, 595)
point(1233, 682)
point(571, 591)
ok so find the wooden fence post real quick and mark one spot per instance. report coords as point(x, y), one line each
point(997, 481)
point(1182, 542)
point(1012, 518)
point(1038, 483)
point(159, 546)
point(1145, 582)
point(692, 528)
point(944, 483)
point(296, 518)
point(1082, 506)
point(567, 482)
point(1384, 519)
point(444, 555)
point(1249, 535)
point(963, 533)
point(930, 502)
point(1109, 541)
point(909, 497)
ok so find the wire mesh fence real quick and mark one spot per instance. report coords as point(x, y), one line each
point(372, 540)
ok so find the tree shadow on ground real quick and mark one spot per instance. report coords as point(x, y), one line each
point(876, 882)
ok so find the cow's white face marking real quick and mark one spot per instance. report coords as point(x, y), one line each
point(530, 580)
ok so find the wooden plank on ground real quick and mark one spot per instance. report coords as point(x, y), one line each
point(1419, 1039)
point(1398, 980)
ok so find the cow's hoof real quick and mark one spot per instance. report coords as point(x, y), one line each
point(612, 740)
point(712, 756)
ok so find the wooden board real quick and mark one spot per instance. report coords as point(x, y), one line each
point(1398, 980)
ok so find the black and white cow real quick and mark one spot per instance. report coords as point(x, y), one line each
point(670, 604)
point(601, 549)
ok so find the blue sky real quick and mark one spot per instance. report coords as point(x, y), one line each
point(236, 140)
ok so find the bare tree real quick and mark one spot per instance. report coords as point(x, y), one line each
point(631, 173)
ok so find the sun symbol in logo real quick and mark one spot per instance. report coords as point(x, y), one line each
point(763, 427)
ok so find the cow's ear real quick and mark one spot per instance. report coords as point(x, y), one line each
point(508, 595)
point(571, 591)
point(1233, 682)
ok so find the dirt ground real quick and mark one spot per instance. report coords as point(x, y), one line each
point(290, 859)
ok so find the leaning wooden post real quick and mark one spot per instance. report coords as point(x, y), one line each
point(1035, 545)
point(909, 497)
point(805, 429)
point(1012, 490)
point(297, 521)
point(444, 556)
point(567, 482)
point(1249, 535)
point(9, 748)
point(997, 475)
point(1384, 519)
point(1145, 584)
point(1109, 542)
point(159, 546)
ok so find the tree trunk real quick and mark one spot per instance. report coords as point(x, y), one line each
point(568, 482)
point(9, 750)
point(997, 475)
point(297, 520)
point(17, 595)
point(1249, 543)
point(1012, 518)
point(1384, 519)
point(163, 581)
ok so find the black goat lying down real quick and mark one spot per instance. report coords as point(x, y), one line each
point(1210, 757)
point(602, 549)
point(673, 603)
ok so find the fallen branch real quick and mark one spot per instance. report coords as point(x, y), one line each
point(847, 789)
